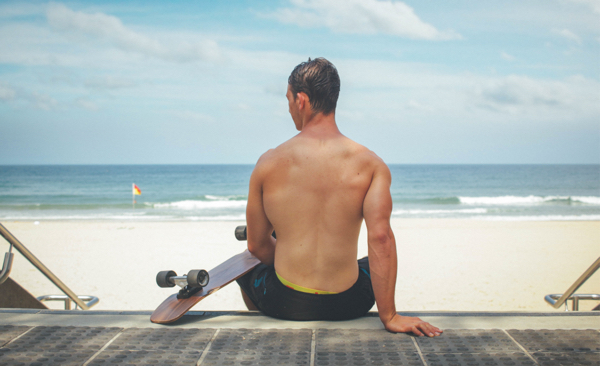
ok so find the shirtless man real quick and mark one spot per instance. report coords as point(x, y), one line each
point(315, 190)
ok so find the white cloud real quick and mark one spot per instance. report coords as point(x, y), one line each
point(7, 93)
point(87, 104)
point(593, 4)
point(35, 99)
point(111, 28)
point(13, 10)
point(413, 104)
point(109, 82)
point(361, 17)
point(389, 89)
point(43, 101)
point(507, 57)
point(521, 94)
point(568, 35)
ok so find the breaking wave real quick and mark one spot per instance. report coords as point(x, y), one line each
point(212, 202)
point(529, 200)
point(399, 212)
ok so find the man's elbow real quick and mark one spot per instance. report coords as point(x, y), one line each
point(381, 239)
point(262, 251)
point(253, 247)
point(257, 248)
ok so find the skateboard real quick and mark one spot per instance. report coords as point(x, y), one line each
point(198, 284)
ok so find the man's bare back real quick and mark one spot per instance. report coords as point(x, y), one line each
point(315, 190)
point(314, 187)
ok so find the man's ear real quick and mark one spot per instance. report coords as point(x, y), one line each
point(302, 99)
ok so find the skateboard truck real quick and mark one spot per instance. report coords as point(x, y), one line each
point(176, 305)
point(241, 233)
point(196, 279)
point(191, 283)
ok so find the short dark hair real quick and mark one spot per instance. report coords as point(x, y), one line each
point(319, 79)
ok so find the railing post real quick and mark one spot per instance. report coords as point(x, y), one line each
point(6, 265)
point(41, 267)
point(562, 299)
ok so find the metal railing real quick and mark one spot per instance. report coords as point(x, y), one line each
point(91, 300)
point(6, 265)
point(556, 300)
point(42, 268)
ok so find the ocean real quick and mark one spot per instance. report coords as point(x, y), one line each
point(219, 192)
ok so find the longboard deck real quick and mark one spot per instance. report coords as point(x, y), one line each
point(235, 267)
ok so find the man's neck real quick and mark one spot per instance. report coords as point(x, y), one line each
point(320, 125)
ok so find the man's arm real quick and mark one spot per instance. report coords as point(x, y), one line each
point(383, 261)
point(258, 227)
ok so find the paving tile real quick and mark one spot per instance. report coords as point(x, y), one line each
point(56, 345)
point(469, 341)
point(146, 357)
point(162, 339)
point(267, 340)
point(367, 358)
point(41, 339)
point(21, 357)
point(564, 358)
point(260, 347)
point(258, 358)
point(10, 332)
point(558, 340)
point(476, 359)
point(362, 340)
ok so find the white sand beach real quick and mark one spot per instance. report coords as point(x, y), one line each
point(443, 264)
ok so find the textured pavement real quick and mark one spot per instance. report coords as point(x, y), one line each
point(38, 344)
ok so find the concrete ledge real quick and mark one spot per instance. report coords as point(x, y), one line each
point(245, 319)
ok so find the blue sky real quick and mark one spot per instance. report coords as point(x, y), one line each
point(199, 82)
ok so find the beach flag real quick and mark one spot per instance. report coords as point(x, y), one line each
point(136, 192)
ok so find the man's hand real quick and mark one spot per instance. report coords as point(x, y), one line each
point(405, 324)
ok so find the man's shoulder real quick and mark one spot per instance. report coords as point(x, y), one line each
point(274, 155)
point(290, 150)
point(266, 159)
point(271, 159)
point(367, 155)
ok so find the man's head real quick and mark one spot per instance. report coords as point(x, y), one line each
point(320, 81)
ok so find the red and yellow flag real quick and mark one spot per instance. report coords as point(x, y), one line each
point(136, 190)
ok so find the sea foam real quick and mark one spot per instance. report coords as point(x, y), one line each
point(198, 204)
point(528, 200)
point(539, 218)
point(437, 212)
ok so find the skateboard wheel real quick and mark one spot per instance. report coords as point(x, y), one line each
point(162, 278)
point(240, 232)
point(197, 278)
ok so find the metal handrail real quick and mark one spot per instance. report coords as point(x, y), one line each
point(41, 267)
point(575, 298)
point(91, 300)
point(6, 265)
point(556, 303)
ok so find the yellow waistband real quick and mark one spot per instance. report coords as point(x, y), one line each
point(303, 289)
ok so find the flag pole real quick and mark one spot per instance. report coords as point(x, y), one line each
point(135, 190)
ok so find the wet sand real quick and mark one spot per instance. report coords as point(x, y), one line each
point(443, 264)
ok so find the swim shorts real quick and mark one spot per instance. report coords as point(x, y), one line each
point(276, 300)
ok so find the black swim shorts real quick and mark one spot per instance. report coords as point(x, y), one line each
point(276, 300)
